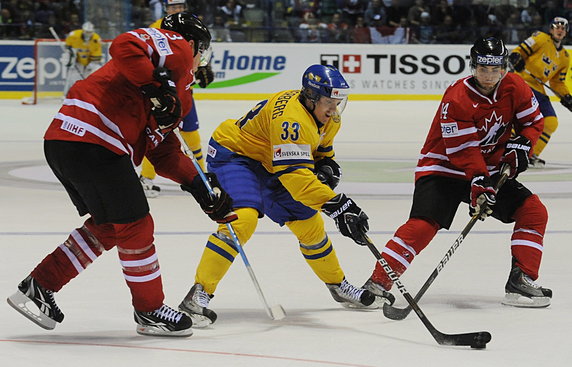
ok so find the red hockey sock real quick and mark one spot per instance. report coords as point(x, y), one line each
point(409, 240)
point(528, 234)
point(140, 264)
point(81, 248)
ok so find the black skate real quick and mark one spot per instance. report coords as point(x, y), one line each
point(149, 188)
point(195, 304)
point(522, 291)
point(351, 296)
point(536, 162)
point(381, 295)
point(164, 321)
point(47, 314)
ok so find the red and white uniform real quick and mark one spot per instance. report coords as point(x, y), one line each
point(109, 109)
point(469, 131)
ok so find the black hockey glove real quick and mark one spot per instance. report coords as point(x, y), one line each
point(516, 61)
point(516, 155)
point(482, 196)
point(566, 101)
point(219, 207)
point(349, 218)
point(328, 172)
point(166, 104)
point(204, 76)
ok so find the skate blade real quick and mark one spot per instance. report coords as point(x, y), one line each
point(518, 300)
point(200, 321)
point(155, 331)
point(18, 301)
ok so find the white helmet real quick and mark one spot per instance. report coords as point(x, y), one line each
point(167, 3)
point(88, 27)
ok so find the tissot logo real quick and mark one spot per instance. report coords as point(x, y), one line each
point(350, 64)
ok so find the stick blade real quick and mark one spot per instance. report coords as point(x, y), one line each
point(476, 340)
point(394, 313)
point(277, 312)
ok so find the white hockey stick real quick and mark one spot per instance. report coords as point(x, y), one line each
point(275, 312)
point(61, 43)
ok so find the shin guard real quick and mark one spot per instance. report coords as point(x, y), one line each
point(528, 235)
point(409, 240)
point(83, 246)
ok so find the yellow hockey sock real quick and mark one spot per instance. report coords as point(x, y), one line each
point(147, 169)
point(193, 140)
point(550, 126)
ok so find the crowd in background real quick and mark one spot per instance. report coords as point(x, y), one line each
point(318, 21)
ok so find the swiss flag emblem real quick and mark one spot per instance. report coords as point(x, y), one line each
point(351, 64)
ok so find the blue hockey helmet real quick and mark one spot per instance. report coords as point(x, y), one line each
point(324, 80)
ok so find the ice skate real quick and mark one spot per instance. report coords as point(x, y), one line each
point(536, 162)
point(522, 291)
point(46, 313)
point(351, 296)
point(195, 304)
point(381, 295)
point(164, 321)
point(151, 190)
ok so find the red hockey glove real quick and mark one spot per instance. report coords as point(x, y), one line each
point(516, 155)
point(349, 218)
point(166, 104)
point(482, 196)
point(328, 172)
point(219, 207)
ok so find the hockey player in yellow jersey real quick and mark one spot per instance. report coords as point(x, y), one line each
point(190, 128)
point(541, 58)
point(84, 54)
point(277, 160)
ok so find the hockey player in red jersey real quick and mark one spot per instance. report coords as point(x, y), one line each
point(108, 122)
point(468, 141)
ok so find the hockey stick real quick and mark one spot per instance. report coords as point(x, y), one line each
point(545, 85)
point(476, 340)
point(61, 43)
point(395, 313)
point(275, 312)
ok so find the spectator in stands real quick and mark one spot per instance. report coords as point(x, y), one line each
point(360, 32)
point(424, 32)
point(375, 7)
point(232, 11)
point(351, 9)
point(219, 30)
point(338, 30)
point(414, 13)
point(447, 32)
point(514, 29)
point(394, 13)
point(312, 30)
point(503, 11)
point(7, 26)
point(401, 35)
point(440, 11)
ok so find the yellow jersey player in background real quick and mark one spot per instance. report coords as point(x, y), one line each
point(277, 160)
point(539, 59)
point(84, 54)
point(190, 129)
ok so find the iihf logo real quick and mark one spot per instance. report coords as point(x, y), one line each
point(350, 64)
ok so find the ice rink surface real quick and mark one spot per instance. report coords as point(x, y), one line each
point(377, 147)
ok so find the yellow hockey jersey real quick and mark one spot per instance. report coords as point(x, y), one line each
point(157, 23)
point(544, 61)
point(282, 135)
point(85, 51)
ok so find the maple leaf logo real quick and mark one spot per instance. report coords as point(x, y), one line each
point(494, 129)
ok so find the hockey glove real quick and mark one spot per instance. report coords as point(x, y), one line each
point(566, 101)
point(516, 155)
point(515, 59)
point(166, 104)
point(349, 218)
point(482, 196)
point(204, 75)
point(328, 172)
point(219, 207)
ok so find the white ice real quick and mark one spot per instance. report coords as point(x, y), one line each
point(377, 146)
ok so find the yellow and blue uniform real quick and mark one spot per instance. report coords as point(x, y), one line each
point(86, 51)
point(265, 161)
point(550, 65)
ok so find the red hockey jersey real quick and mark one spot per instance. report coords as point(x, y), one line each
point(469, 131)
point(109, 109)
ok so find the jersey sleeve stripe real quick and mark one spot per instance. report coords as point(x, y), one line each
point(438, 168)
point(458, 148)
